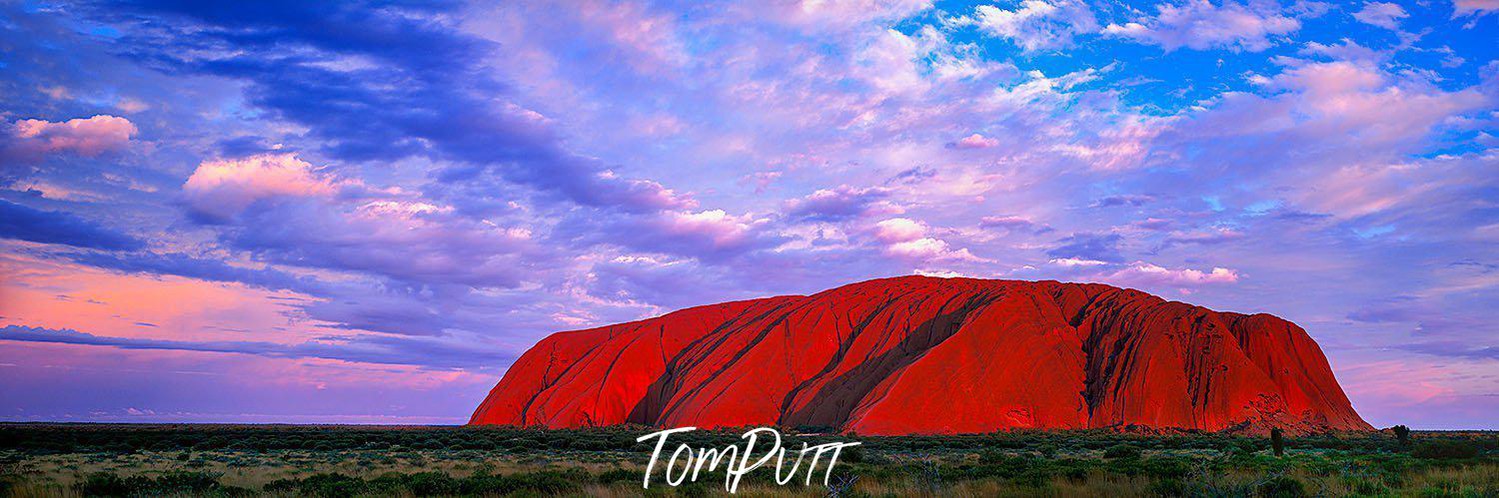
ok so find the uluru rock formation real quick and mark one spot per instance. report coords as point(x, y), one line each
point(922, 355)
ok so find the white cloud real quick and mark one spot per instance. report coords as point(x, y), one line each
point(897, 230)
point(1347, 50)
point(923, 248)
point(1471, 7)
point(1039, 24)
point(1382, 14)
point(1072, 262)
point(1145, 274)
point(715, 226)
point(1200, 25)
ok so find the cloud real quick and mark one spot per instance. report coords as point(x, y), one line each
point(32, 139)
point(922, 248)
point(1453, 349)
point(840, 203)
point(1210, 237)
point(907, 239)
point(213, 270)
point(1071, 262)
point(1347, 50)
point(1134, 200)
point(1088, 246)
point(712, 235)
point(664, 283)
point(1347, 125)
point(1140, 273)
point(715, 228)
point(897, 230)
point(426, 352)
point(839, 14)
point(1013, 222)
point(427, 96)
point(1200, 25)
point(411, 242)
point(974, 141)
point(280, 210)
point(1462, 8)
point(58, 227)
point(220, 189)
point(1038, 24)
point(1383, 14)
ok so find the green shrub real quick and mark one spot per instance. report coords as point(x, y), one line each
point(619, 475)
point(182, 483)
point(1168, 487)
point(853, 454)
point(171, 483)
point(1281, 487)
point(1122, 451)
point(1403, 434)
point(331, 485)
point(103, 484)
point(1445, 449)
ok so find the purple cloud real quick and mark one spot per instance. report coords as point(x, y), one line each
point(59, 227)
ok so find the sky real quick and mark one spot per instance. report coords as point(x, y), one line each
point(310, 212)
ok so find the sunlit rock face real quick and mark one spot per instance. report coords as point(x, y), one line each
point(921, 355)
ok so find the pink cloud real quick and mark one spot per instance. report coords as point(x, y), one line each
point(761, 180)
point(840, 14)
point(1346, 127)
point(647, 41)
point(223, 188)
point(907, 239)
point(62, 295)
point(32, 138)
point(975, 141)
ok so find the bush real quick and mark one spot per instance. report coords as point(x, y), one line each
point(103, 484)
point(1402, 434)
point(431, 483)
point(853, 454)
point(1122, 451)
point(1169, 487)
point(182, 483)
point(1446, 449)
point(108, 484)
point(1281, 487)
point(619, 475)
point(992, 457)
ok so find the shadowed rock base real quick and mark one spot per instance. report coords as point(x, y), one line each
point(920, 355)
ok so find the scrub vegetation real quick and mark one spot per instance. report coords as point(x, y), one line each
point(39, 460)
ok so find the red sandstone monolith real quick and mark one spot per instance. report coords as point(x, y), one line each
point(921, 355)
